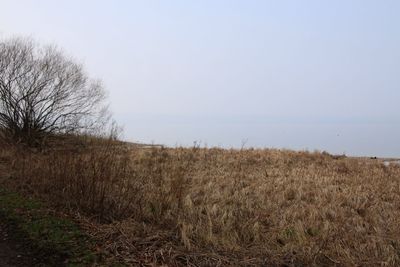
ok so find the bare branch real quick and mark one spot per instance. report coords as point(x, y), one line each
point(44, 92)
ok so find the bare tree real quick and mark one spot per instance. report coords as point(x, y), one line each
point(43, 92)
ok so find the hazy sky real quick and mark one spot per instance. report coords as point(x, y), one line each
point(288, 74)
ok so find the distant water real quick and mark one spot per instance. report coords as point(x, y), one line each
point(353, 139)
point(389, 162)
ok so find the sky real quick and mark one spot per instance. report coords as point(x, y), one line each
point(303, 75)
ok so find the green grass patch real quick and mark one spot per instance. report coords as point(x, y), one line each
point(57, 240)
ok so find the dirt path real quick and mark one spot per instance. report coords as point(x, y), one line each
point(12, 252)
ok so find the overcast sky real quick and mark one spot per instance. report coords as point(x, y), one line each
point(287, 74)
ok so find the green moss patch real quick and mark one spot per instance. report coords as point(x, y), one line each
point(58, 241)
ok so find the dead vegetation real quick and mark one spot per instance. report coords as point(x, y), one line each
point(215, 207)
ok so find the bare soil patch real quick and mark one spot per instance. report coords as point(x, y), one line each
point(13, 252)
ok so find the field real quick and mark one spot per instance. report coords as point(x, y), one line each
point(214, 207)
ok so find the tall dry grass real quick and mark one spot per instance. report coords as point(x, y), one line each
point(216, 207)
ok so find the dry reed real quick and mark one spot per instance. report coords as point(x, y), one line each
point(216, 207)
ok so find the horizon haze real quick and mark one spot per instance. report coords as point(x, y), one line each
point(279, 74)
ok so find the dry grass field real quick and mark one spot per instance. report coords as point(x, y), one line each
point(216, 207)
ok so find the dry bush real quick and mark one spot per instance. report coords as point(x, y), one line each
point(216, 207)
point(93, 179)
